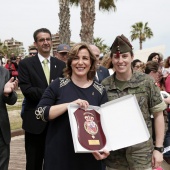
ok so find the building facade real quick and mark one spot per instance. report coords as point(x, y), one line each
point(14, 46)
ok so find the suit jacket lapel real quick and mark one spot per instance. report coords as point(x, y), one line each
point(38, 68)
point(53, 69)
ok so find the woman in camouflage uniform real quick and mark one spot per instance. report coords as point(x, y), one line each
point(124, 81)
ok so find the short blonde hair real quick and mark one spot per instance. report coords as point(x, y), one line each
point(107, 61)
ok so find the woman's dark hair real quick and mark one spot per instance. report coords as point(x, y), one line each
point(134, 62)
point(167, 62)
point(73, 52)
point(151, 66)
point(152, 55)
point(9, 60)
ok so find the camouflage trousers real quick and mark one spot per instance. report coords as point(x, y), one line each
point(136, 157)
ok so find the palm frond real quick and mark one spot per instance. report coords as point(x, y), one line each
point(107, 5)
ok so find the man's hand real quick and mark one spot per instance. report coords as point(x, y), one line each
point(10, 86)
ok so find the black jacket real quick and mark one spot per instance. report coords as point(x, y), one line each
point(33, 83)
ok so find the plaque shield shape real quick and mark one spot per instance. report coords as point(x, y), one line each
point(90, 132)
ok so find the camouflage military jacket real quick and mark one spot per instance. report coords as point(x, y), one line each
point(150, 102)
point(143, 87)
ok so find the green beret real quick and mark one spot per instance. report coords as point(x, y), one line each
point(121, 44)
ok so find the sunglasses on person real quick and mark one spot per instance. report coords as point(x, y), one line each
point(63, 54)
point(32, 53)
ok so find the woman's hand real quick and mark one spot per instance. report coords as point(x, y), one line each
point(157, 159)
point(82, 103)
point(100, 156)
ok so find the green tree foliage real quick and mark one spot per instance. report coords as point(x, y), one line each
point(6, 51)
point(103, 47)
point(141, 31)
point(3, 48)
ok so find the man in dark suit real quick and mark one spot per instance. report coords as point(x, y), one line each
point(34, 77)
point(7, 96)
point(102, 72)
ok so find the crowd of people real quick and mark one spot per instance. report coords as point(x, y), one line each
point(11, 63)
point(79, 75)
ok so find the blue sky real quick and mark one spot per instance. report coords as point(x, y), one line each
point(20, 18)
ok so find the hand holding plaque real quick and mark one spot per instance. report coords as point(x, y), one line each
point(106, 127)
point(90, 132)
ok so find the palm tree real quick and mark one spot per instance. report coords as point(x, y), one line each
point(64, 17)
point(141, 31)
point(88, 16)
point(99, 43)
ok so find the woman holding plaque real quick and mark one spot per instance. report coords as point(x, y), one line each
point(77, 87)
point(142, 156)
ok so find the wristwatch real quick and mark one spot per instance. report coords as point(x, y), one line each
point(160, 149)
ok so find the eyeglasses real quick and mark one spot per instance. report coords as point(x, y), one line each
point(63, 53)
point(32, 53)
point(44, 39)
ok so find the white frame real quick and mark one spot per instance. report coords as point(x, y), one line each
point(118, 114)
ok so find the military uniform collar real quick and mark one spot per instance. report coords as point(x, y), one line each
point(136, 79)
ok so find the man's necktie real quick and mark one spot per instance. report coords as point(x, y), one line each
point(46, 70)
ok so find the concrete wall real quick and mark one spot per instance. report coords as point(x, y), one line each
point(144, 53)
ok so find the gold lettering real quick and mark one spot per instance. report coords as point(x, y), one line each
point(94, 142)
